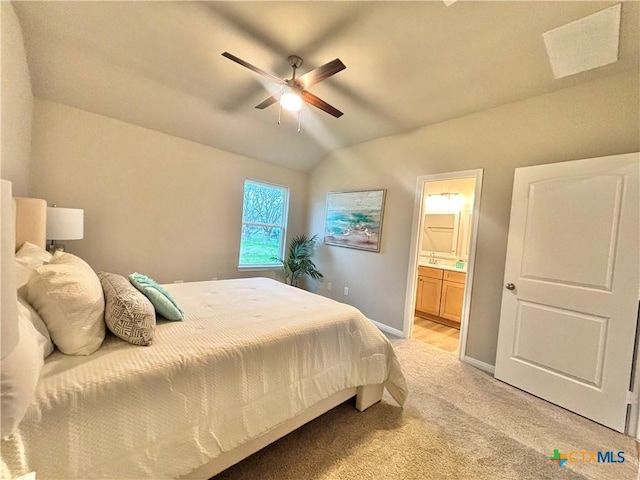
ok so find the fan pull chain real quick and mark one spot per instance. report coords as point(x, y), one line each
point(299, 118)
point(280, 104)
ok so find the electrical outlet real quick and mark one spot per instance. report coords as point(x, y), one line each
point(178, 281)
point(346, 291)
point(329, 286)
point(214, 278)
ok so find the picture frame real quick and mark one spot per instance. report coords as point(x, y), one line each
point(354, 219)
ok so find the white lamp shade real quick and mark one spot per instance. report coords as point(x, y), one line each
point(65, 223)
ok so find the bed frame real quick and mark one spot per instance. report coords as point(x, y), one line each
point(365, 397)
point(31, 221)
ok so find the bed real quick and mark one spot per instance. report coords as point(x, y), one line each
point(253, 360)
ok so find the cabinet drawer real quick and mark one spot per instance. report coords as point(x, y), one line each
point(429, 272)
point(458, 277)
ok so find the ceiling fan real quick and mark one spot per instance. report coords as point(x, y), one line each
point(294, 90)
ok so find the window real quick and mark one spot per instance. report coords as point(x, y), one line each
point(264, 221)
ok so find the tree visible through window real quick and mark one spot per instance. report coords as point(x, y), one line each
point(264, 220)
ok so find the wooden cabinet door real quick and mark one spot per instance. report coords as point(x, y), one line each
point(428, 298)
point(451, 303)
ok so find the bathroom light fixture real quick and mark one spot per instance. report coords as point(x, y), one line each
point(64, 224)
point(444, 202)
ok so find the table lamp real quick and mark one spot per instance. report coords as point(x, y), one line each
point(64, 224)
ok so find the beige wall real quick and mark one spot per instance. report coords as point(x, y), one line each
point(594, 119)
point(153, 203)
point(16, 103)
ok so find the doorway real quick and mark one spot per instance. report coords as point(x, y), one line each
point(442, 257)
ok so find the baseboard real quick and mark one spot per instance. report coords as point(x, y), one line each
point(388, 329)
point(485, 367)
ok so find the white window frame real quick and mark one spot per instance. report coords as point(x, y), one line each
point(283, 226)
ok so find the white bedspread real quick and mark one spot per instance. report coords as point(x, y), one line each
point(250, 354)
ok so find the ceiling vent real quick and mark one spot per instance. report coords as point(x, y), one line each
point(585, 44)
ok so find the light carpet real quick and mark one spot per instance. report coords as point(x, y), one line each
point(458, 423)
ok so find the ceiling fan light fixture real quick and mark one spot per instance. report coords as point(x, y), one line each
point(291, 101)
point(294, 89)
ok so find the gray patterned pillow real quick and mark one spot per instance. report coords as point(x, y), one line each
point(128, 313)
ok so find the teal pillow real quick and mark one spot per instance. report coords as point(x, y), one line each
point(158, 296)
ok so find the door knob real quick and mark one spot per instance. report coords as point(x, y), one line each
point(510, 286)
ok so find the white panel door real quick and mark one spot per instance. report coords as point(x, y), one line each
point(570, 305)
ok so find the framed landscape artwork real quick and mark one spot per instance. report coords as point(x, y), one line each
point(354, 219)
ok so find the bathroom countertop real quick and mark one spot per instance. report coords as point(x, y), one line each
point(443, 266)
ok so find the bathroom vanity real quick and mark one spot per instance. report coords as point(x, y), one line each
point(440, 293)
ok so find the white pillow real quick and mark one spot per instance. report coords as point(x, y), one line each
point(28, 258)
point(27, 312)
point(68, 296)
point(19, 374)
point(22, 279)
point(30, 253)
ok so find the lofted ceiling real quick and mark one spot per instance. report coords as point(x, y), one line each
point(409, 64)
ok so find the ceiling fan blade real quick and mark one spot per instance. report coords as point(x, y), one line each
point(321, 73)
point(271, 77)
point(268, 102)
point(311, 99)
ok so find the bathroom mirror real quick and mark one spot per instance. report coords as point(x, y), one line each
point(440, 234)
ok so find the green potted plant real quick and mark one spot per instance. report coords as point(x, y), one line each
point(298, 262)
